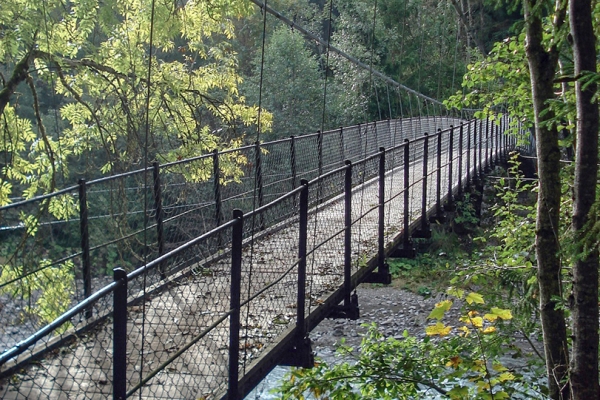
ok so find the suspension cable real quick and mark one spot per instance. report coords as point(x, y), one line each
point(146, 140)
point(350, 58)
point(256, 173)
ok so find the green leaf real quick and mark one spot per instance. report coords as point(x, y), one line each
point(474, 298)
point(440, 309)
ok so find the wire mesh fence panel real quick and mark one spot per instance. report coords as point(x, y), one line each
point(325, 237)
point(415, 165)
point(333, 151)
point(277, 170)
point(243, 191)
point(187, 200)
point(119, 211)
point(73, 361)
point(178, 333)
point(269, 284)
point(40, 271)
point(365, 212)
point(370, 138)
point(394, 199)
point(385, 134)
point(353, 142)
point(431, 184)
point(307, 156)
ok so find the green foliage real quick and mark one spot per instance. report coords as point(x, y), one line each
point(96, 56)
point(289, 68)
point(453, 362)
point(49, 291)
point(466, 214)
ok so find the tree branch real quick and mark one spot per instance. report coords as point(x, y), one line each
point(19, 75)
point(42, 130)
point(468, 28)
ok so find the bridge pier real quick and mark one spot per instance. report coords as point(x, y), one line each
point(299, 355)
point(348, 310)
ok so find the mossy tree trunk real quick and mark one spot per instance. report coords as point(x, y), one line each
point(543, 63)
point(584, 362)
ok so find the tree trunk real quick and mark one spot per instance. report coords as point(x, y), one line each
point(584, 362)
point(542, 67)
point(469, 29)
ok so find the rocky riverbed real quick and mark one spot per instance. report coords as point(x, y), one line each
point(393, 309)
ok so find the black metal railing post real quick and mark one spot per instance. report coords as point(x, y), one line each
point(86, 268)
point(349, 308)
point(158, 216)
point(348, 235)
point(342, 151)
point(120, 335)
point(438, 190)
point(320, 152)
point(217, 188)
point(407, 250)
point(424, 231)
point(381, 212)
point(383, 270)
point(406, 225)
point(234, 305)
point(361, 153)
point(259, 180)
point(460, 159)
point(450, 200)
point(293, 170)
point(468, 183)
point(488, 136)
point(497, 144)
point(301, 328)
point(474, 176)
point(479, 158)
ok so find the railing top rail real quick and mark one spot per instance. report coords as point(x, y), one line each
point(157, 261)
point(39, 198)
point(189, 160)
point(23, 345)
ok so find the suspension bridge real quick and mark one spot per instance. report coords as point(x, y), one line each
point(211, 317)
point(194, 278)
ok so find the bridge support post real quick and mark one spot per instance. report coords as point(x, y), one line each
point(449, 206)
point(233, 390)
point(217, 189)
point(293, 172)
point(301, 355)
point(488, 142)
point(259, 181)
point(350, 307)
point(468, 182)
point(407, 250)
point(439, 212)
point(424, 231)
point(383, 269)
point(320, 152)
point(480, 160)
point(86, 268)
point(158, 216)
point(460, 159)
point(120, 335)
point(342, 152)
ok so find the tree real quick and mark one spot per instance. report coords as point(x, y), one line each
point(584, 363)
point(542, 69)
point(291, 84)
point(106, 74)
